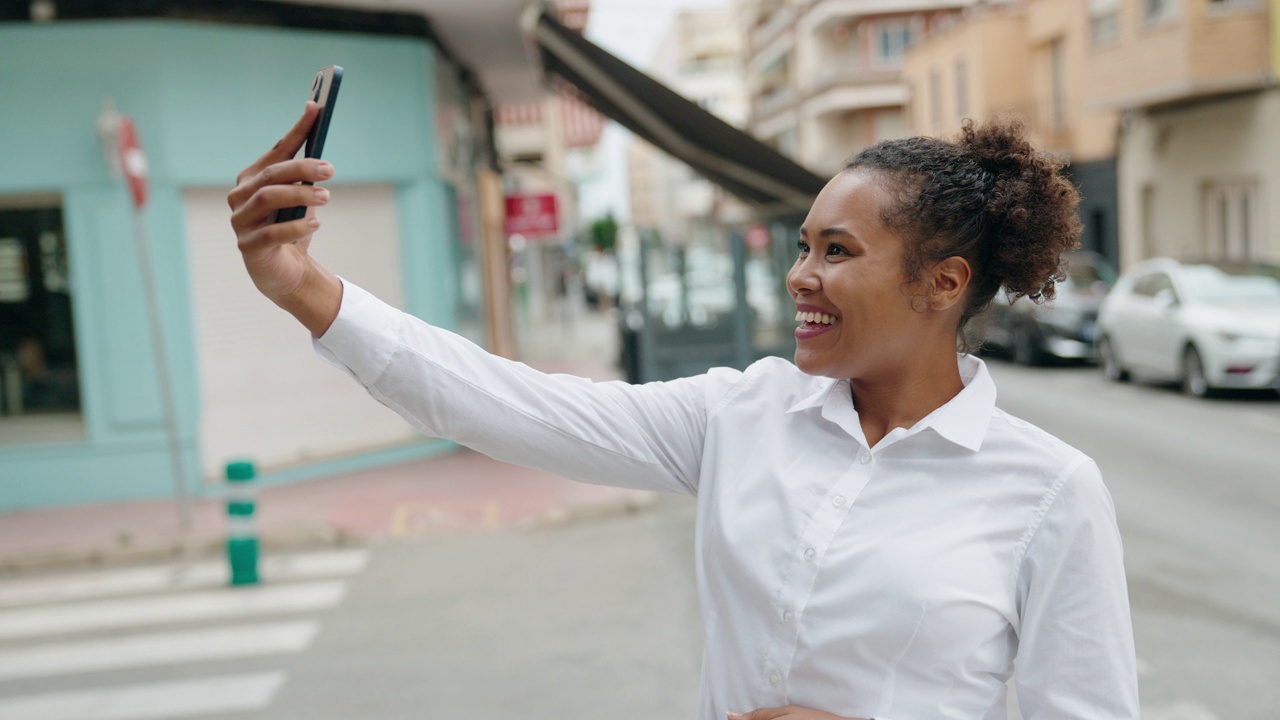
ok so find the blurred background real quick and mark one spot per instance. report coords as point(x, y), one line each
point(612, 189)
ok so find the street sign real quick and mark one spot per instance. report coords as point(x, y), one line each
point(756, 237)
point(133, 162)
point(532, 215)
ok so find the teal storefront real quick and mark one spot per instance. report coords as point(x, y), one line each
point(83, 414)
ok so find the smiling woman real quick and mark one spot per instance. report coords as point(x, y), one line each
point(875, 538)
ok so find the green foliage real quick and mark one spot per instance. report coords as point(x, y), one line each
point(604, 233)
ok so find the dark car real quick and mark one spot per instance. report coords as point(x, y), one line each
point(1064, 328)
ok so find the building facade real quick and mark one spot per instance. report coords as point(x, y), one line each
point(1024, 59)
point(698, 57)
point(1195, 82)
point(88, 413)
point(824, 77)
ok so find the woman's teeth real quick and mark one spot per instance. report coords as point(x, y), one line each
point(810, 317)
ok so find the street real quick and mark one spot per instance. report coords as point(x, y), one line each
point(598, 618)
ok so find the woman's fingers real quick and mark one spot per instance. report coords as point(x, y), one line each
point(288, 172)
point(287, 146)
point(262, 204)
point(275, 234)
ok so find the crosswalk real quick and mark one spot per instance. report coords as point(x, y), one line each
point(61, 635)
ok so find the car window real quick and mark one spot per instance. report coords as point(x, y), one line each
point(1085, 273)
point(1213, 284)
point(1151, 284)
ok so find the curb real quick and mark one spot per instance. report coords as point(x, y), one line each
point(181, 548)
point(288, 540)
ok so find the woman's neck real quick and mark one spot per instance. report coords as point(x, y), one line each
point(905, 395)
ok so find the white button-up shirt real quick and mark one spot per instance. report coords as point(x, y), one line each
point(900, 581)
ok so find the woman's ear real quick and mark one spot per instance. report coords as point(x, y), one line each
point(949, 283)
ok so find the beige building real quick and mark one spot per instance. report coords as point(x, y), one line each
point(825, 76)
point(1027, 59)
point(698, 58)
point(1199, 155)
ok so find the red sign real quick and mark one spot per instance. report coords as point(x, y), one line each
point(532, 215)
point(132, 160)
point(756, 237)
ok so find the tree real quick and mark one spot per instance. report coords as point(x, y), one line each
point(604, 233)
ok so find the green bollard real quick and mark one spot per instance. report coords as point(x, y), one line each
point(242, 533)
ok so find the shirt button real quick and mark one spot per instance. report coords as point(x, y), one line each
point(809, 553)
point(866, 458)
point(775, 678)
point(838, 501)
point(787, 617)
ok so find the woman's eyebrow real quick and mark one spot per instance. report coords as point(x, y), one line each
point(828, 232)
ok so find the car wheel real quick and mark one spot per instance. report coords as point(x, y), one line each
point(1193, 380)
point(1111, 367)
point(1025, 351)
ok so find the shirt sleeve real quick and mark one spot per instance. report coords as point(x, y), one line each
point(1076, 656)
point(647, 437)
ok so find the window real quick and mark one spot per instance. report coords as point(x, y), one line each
point(39, 381)
point(935, 97)
point(1149, 285)
point(1157, 10)
point(892, 38)
point(1231, 223)
point(962, 89)
point(1057, 87)
point(1104, 21)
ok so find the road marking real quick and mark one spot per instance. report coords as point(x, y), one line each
point(151, 701)
point(156, 649)
point(1182, 710)
point(184, 607)
point(183, 576)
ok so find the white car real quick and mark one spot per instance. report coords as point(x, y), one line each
point(1206, 325)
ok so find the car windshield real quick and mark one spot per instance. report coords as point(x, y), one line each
point(1085, 274)
point(1231, 285)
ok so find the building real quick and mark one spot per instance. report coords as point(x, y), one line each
point(825, 76)
point(89, 413)
point(1024, 59)
point(697, 57)
point(1198, 164)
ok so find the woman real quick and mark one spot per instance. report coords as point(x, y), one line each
point(875, 539)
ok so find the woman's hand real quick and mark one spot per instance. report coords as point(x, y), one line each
point(275, 254)
point(790, 712)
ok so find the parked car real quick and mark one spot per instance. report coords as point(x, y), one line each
point(1206, 325)
point(1063, 328)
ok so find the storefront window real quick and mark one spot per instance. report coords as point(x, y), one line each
point(39, 381)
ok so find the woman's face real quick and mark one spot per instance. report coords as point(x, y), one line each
point(850, 270)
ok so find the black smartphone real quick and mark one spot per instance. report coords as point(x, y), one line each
point(324, 90)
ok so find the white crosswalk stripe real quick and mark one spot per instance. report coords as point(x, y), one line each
point(85, 624)
point(175, 576)
point(156, 649)
point(204, 605)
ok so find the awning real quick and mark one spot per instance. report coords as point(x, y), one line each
point(720, 152)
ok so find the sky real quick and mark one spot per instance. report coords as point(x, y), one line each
point(631, 30)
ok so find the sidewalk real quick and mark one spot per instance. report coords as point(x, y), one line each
point(459, 491)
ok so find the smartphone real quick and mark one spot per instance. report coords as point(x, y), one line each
point(324, 91)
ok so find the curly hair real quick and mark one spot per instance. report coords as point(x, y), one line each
point(988, 197)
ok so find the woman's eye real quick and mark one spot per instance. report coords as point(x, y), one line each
point(836, 250)
point(802, 246)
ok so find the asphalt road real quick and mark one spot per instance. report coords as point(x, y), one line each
point(598, 618)
point(1196, 485)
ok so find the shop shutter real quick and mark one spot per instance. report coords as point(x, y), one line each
point(264, 394)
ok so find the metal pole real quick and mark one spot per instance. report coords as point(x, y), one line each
point(162, 368)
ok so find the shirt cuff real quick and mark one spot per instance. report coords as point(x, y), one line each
point(363, 338)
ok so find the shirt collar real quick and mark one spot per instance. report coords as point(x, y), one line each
point(963, 420)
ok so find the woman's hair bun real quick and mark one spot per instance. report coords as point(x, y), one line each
point(1030, 209)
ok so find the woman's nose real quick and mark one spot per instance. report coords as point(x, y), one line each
point(801, 278)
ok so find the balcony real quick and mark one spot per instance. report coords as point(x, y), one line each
point(847, 85)
point(773, 26)
point(1197, 52)
point(766, 106)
